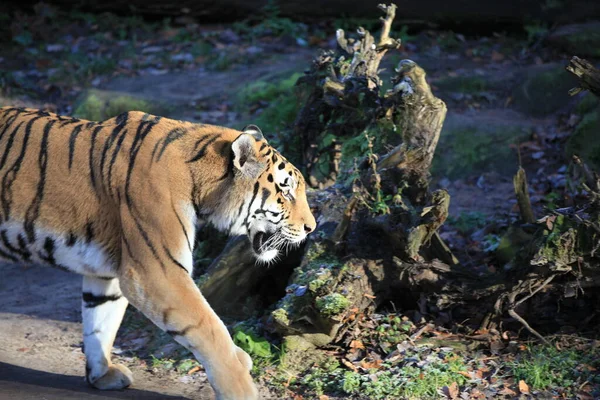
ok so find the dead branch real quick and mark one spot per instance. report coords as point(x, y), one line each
point(588, 75)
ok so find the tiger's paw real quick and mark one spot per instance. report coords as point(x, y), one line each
point(117, 377)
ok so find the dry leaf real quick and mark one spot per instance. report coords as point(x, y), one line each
point(349, 365)
point(323, 397)
point(451, 391)
point(195, 369)
point(357, 344)
point(371, 364)
point(523, 387)
point(507, 392)
point(369, 296)
point(465, 374)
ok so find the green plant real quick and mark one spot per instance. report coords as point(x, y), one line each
point(535, 31)
point(468, 221)
point(270, 22)
point(545, 367)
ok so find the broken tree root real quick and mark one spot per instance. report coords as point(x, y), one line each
point(521, 288)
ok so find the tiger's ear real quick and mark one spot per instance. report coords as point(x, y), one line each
point(254, 131)
point(244, 156)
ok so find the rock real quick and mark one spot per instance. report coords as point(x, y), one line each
point(543, 89)
point(577, 39)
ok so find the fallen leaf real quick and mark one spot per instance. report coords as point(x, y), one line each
point(523, 387)
point(349, 365)
point(369, 296)
point(323, 397)
point(357, 344)
point(451, 391)
point(507, 392)
point(370, 364)
point(465, 374)
point(193, 370)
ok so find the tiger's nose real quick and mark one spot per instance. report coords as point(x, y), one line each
point(308, 229)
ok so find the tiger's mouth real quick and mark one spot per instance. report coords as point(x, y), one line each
point(260, 238)
point(263, 250)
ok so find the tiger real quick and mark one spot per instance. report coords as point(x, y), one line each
point(118, 201)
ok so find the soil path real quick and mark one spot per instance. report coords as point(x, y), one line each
point(40, 344)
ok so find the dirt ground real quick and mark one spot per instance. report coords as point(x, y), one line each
point(40, 344)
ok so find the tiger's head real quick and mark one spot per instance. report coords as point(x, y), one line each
point(275, 213)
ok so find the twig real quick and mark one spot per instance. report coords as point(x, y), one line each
point(513, 304)
point(543, 285)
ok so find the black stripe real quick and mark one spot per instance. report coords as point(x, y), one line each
point(68, 121)
point(171, 137)
point(89, 232)
point(72, 139)
point(256, 185)
point(229, 170)
point(265, 195)
point(33, 212)
point(111, 139)
point(11, 174)
point(9, 144)
point(49, 256)
point(9, 121)
point(113, 159)
point(174, 260)
point(91, 300)
point(71, 239)
point(202, 151)
point(24, 253)
point(7, 256)
point(187, 238)
point(91, 154)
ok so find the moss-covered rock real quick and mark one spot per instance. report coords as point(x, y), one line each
point(543, 90)
point(98, 105)
point(578, 39)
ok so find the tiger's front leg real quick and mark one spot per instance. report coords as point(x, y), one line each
point(103, 307)
point(168, 296)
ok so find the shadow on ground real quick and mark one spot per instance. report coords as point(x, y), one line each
point(21, 383)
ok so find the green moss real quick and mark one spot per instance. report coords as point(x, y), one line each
point(588, 103)
point(543, 90)
point(463, 84)
point(332, 304)
point(584, 141)
point(314, 285)
point(464, 150)
point(281, 316)
point(585, 42)
point(98, 105)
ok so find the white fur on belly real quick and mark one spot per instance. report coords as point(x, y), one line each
point(82, 258)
